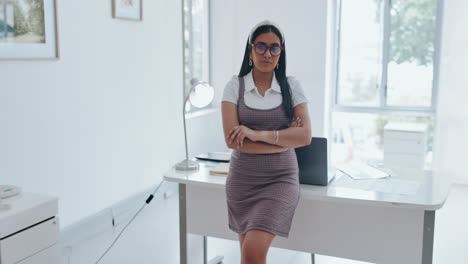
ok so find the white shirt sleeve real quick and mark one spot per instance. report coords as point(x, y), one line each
point(297, 93)
point(231, 90)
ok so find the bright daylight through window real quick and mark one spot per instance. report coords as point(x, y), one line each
point(196, 43)
point(387, 70)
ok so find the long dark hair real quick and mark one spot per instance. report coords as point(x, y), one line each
point(280, 72)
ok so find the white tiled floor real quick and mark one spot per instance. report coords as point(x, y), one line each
point(153, 238)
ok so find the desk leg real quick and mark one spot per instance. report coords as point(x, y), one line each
point(182, 224)
point(312, 258)
point(215, 260)
point(205, 250)
point(428, 237)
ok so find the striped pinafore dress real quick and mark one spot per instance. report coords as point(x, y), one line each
point(262, 190)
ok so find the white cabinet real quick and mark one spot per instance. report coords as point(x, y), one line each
point(29, 230)
point(405, 145)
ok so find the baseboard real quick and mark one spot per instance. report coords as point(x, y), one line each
point(86, 228)
point(112, 217)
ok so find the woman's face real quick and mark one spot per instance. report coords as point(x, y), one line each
point(266, 62)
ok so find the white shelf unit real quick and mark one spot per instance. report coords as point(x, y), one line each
point(405, 145)
point(29, 230)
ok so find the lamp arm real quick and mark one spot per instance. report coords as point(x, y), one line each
point(185, 126)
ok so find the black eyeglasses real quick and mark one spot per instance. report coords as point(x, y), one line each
point(261, 48)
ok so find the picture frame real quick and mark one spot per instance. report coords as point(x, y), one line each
point(127, 9)
point(29, 30)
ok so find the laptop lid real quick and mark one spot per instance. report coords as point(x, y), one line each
point(313, 164)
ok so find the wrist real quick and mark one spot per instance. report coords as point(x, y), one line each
point(262, 136)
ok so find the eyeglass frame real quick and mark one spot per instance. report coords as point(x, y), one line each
point(268, 48)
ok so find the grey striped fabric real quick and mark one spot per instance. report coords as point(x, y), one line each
point(262, 190)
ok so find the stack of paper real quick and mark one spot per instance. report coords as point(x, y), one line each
point(220, 169)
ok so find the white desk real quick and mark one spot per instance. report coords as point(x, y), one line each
point(335, 221)
point(29, 230)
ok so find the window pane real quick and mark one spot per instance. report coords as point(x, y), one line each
point(360, 62)
point(196, 49)
point(359, 137)
point(187, 22)
point(8, 29)
point(199, 40)
point(412, 37)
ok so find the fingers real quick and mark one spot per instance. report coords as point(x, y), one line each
point(297, 122)
point(240, 140)
point(237, 135)
point(293, 122)
point(232, 134)
point(229, 136)
point(240, 135)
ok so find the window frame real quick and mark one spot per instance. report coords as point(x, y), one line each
point(383, 107)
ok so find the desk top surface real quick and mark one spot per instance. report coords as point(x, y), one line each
point(431, 194)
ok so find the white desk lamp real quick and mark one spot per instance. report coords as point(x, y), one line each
point(201, 94)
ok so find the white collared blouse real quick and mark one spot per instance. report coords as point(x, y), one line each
point(254, 99)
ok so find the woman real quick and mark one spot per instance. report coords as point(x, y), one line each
point(265, 117)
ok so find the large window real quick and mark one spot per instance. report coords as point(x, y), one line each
point(387, 68)
point(196, 42)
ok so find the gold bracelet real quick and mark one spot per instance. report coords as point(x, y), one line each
point(277, 137)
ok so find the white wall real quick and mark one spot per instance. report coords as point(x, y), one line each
point(105, 120)
point(304, 25)
point(451, 143)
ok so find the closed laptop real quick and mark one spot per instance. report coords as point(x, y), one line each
point(313, 163)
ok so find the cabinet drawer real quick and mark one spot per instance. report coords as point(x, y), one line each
point(412, 146)
point(399, 160)
point(20, 246)
point(403, 135)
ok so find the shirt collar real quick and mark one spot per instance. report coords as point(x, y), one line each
point(250, 85)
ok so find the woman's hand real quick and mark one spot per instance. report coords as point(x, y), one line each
point(239, 133)
point(296, 122)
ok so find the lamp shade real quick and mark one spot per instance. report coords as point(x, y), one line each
point(202, 93)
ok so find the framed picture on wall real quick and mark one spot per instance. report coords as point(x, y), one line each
point(28, 30)
point(127, 9)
